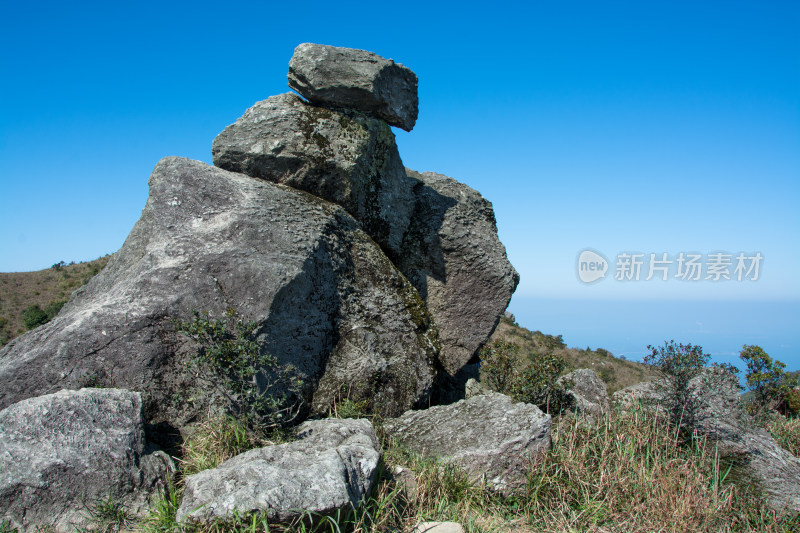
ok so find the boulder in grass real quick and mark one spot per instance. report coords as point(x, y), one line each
point(492, 438)
point(333, 465)
point(63, 453)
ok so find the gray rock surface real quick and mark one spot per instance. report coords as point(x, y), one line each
point(752, 450)
point(355, 79)
point(344, 157)
point(475, 388)
point(64, 452)
point(327, 301)
point(331, 466)
point(587, 392)
point(438, 527)
point(441, 234)
point(453, 256)
point(490, 436)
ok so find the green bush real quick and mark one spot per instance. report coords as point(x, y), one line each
point(261, 393)
point(34, 317)
point(530, 379)
point(678, 364)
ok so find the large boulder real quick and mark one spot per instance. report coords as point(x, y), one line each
point(355, 79)
point(63, 453)
point(586, 392)
point(332, 466)
point(342, 156)
point(452, 255)
point(751, 450)
point(490, 436)
point(327, 302)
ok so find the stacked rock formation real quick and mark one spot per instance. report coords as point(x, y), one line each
point(362, 278)
point(380, 283)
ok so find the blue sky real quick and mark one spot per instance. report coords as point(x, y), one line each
point(651, 127)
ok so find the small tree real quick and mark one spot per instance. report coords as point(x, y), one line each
point(764, 376)
point(678, 364)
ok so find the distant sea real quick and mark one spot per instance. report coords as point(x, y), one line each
point(627, 327)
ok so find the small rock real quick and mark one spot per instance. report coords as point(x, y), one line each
point(407, 480)
point(355, 79)
point(587, 392)
point(438, 527)
point(333, 465)
point(491, 437)
point(475, 388)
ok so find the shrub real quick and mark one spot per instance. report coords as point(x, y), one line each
point(34, 317)
point(530, 380)
point(678, 364)
point(261, 393)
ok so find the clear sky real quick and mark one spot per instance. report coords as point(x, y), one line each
point(649, 127)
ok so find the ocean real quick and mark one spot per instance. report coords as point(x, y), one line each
point(625, 328)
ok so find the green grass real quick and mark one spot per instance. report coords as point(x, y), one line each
point(629, 472)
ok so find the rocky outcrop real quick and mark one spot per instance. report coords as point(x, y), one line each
point(490, 436)
point(441, 234)
point(586, 392)
point(355, 79)
point(332, 466)
point(326, 300)
point(753, 451)
point(62, 453)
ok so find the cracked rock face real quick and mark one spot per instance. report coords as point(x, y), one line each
point(326, 299)
point(332, 466)
point(355, 79)
point(62, 451)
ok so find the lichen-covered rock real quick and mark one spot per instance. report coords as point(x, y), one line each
point(325, 298)
point(355, 79)
point(586, 392)
point(332, 466)
point(490, 436)
point(344, 157)
point(64, 452)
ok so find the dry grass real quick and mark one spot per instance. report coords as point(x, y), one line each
point(616, 373)
point(19, 290)
point(786, 431)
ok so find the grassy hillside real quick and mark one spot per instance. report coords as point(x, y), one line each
point(616, 373)
point(45, 289)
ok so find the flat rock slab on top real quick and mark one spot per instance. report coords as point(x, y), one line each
point(490, 436)
point(355, 79)
point(332, 466)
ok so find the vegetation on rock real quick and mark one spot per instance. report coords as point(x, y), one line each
point(259, 392)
